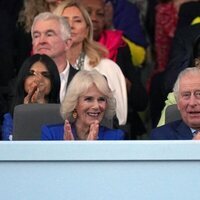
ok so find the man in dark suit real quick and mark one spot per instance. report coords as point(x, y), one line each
point(187, 93)
point(51, 35)
point(181, 57)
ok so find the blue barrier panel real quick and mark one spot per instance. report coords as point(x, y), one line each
point(95, 170)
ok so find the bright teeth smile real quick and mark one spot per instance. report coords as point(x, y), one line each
point(93, 114)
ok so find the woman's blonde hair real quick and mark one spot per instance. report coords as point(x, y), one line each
point(91, 48)
point(30, 9)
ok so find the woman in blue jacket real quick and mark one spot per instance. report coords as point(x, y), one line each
point(88, 100)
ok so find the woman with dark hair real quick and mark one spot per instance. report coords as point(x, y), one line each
point(38, 81)
point(50, 73)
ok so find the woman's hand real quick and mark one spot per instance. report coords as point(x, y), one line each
point(31, 92)
point(39, 95)
point(68, 131)
point(36, 92)
point(94, 130)
point(35, 95)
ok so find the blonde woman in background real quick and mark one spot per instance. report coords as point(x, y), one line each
point(87, 54)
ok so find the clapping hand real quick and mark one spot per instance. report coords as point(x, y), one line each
point(68, 131)
point(36, 91)
point(93, 131)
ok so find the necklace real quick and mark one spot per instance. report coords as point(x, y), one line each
point(80, 61)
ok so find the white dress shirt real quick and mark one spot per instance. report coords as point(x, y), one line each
point(63, 82)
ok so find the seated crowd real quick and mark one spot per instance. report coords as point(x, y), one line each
point(71, 55)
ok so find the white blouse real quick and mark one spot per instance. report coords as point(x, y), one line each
point(116, 82)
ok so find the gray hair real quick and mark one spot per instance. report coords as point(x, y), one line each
point(189, 70)
point(65, 29)
point(80, 83)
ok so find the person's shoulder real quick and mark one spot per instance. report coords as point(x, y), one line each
point(53, 127)
point(107, 65)
point(52, 132)
point(165, 132)
point(113, 33)
point(104, 61)
point(110, 134)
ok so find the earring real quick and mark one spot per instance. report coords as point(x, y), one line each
point(74, 114)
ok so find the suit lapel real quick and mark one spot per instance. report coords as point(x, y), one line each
point(72, 72)
point(183, 132)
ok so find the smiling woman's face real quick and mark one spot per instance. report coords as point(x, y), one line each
point(91, 106)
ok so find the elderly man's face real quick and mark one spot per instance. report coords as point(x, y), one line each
point(189, 99)
point(47, 39)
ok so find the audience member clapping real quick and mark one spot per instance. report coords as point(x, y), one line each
point(38, 81)
point(83, 109)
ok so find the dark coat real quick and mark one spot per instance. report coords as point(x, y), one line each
point(137, 97)
point(176, 130)
point(181, 54)
point(188, 11)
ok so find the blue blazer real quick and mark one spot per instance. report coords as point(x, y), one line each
point(56, 132)
point(176, 130)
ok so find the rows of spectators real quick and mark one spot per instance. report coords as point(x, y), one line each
point(145, 45)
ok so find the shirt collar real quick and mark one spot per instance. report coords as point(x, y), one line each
point(194, 131)
point(64, 73)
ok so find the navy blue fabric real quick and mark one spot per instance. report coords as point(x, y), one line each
point(176, 130)
point(127, 18)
